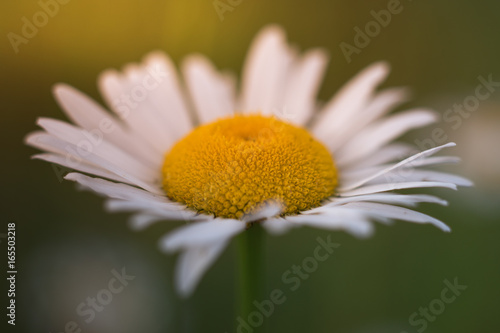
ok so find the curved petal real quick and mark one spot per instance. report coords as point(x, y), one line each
point(192, 265)
point(86, 144)
point(382, 103)
point(349, 101)
point(267, 209)
point(394, 212)
point(201, 243)
point(349, 220)
point(93, 118)
point(113, 190)
point(358, 173)
point(417, 175)
point(406, 163)
point(149, 99)
point(143, 220)
point(391, 152)
point(306, 74)
point(53, 144)
point(389, 198)
point(382, 132)
point(377, 188)
point(212, 93)
point(265, 72)
point(278, 225)
point(82, 166)
point(202, 234)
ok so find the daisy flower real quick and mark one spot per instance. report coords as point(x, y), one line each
point(197, 148)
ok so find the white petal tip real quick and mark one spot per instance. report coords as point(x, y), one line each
point(377, 71)
point(60, 88)
point(40, 120)
point(272, 29)
point(106, 77)
point(109, 206)
point(165, 245)
point(319, 53)
point(450, 144)
point(364, 233)
point(155, 55)
point(31, 138)
point(440, 225)
point(382, 66)
point(132, 224)
point(466, 183)
point(270, 208)
point(140, 222)
point(195, 58)
point(184, 290)
point(73, 176)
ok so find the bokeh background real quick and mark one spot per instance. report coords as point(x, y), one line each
point(67, 245)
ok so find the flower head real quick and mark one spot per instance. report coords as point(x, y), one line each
point(228, 167)
point(200, 152)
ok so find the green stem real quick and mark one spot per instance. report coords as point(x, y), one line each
point(251, 263)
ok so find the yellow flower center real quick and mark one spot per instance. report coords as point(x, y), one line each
point(229, 167)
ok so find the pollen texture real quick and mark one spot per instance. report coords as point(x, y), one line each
point(229, 167)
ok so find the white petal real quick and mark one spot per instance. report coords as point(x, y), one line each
point(86, 145)
point(389, 198)
point(349, 220)
point(43, 141)
point(269, 209)
point(392, 152)
point(302, 87)
point(265, 72)
point(382, 132)
point(394, 186)
point(415, 175)
point(193, 263)
point(163, 211)
point(380, 104)
point(349, 101)
point(407, 163)
point(89, 115)
point(113, 190)
point(53, 144)
point(131, 205)
point(395, 212)
point(142, 221)
point(278, 225)
point(81, 109)
point(169, 96)
point(212, 93)
point(358, 173)
point(150, 100)
point(436, 160)
point(116, 90)
point(202, 234)
point(149, 108)
point(350, 176)
point(81, 166)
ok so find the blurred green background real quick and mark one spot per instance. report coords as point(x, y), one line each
point(67, 245)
